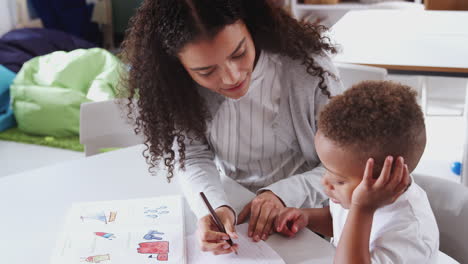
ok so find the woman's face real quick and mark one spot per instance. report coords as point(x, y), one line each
point(223, 64)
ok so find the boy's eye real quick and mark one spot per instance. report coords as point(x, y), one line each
point(340, 182)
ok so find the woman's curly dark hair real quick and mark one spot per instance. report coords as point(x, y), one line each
point(169, 106)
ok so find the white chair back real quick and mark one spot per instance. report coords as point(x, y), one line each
point(449, 202)
point(105, 125)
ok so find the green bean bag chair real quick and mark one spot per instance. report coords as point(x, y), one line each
point(48, 90)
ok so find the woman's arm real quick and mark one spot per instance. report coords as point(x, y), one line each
point(201, 175)
point(301, 190)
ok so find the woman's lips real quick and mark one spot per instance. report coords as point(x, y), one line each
point(235, 88)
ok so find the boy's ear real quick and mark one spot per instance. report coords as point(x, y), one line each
point(377, 169)
point(378, 165)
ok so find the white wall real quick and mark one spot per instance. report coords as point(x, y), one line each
point(7, 15)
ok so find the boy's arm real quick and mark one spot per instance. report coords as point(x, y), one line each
point(353, 246)
point(291, 220)
point(320, 220)
point(367, 197)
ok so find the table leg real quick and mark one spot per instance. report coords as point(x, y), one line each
point(464, 172)
point(423, 84)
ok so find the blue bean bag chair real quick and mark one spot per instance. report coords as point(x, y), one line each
point(7, 119)
point(21, 45)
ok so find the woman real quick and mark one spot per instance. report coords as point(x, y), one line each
point(231, 87)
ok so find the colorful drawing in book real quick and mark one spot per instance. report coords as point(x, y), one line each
point(101, 216)
point(151, 235)
point(159, 248)
point(155, 212)
point(97, 259)
point(105, 235)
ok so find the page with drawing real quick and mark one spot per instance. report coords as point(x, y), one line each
point(121, 232)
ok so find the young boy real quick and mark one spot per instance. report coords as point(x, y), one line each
point(369, 139)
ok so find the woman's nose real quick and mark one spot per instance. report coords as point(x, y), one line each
point(230, 75)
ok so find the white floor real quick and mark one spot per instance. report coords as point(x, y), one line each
point(444, 146)
point(444, 133)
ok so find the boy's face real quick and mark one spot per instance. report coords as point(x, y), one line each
point(344, 170)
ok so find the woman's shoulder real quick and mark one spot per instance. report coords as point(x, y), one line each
point(296, 75)
point(321, 59)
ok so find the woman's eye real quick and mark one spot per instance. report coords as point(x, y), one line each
point(205, 74)
point(240, 55)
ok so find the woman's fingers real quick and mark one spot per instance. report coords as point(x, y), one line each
point(217, 248)
point(209, 237)
point(244, 213)
point(261, 223)
point(270, 225)
point(254, 215)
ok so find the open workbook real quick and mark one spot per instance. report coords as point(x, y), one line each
point(143, 231)
point(122, 232)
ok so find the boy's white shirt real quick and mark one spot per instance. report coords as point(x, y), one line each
point(403, 232)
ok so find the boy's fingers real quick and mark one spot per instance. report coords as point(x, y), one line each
point(398, 194)
point(405, 181)
point(385, 173)
point(398, 172)
point(286, 231)
point(282, 219)
point(368, 172)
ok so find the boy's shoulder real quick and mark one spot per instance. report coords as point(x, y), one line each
point(408, 225)
point(412, 207)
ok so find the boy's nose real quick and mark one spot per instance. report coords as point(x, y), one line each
point(326, 184)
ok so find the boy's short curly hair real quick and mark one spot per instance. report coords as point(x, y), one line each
point(376, 119)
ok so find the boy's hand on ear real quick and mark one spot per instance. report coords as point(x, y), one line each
point(372, 194)
point(290, 221)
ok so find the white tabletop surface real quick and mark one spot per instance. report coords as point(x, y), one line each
point(421, 40)
point(33, 205)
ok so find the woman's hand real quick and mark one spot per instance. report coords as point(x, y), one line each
point(372, 194)
point(263, 210)
point(209, 236)
point(290, 221)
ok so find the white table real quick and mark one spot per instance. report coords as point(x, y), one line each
point(33, 205)
point(429, 43)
